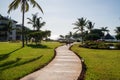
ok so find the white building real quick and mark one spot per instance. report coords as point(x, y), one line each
point(9, 34)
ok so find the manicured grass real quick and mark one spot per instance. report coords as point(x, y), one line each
point(101, 64)
point(16, 62)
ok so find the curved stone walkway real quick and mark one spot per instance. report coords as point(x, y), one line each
point(65, 66)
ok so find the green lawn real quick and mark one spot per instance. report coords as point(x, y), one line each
point(16, 62)
point(101, 64)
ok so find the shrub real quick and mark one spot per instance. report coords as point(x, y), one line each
point(118, 36)
point(117, 45)
point(103, 46)
point(95, 45)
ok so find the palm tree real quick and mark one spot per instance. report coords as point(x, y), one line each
point(80, 24)
point(90, 25)
point(39, 24)
point(33, 20)
point(24, 8)
point(104, 29)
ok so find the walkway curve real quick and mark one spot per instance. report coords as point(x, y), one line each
point(65, 66)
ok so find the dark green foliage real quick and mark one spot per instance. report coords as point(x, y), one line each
point(117, 30)
point(75, 35)
point(117, 45)
point(91, 37)
point(37, 35)
point(98, 32)
point(95, 45)
point(118, 36)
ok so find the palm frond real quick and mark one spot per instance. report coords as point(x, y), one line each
point(14, 5)
point(29, 22)
point(76, 28)
point(34, 3)
point(26, 6)
point(30, 19)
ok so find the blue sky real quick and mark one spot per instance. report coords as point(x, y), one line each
point(60, 14)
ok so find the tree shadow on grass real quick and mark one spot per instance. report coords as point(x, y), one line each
point(17, 63)
point(10, 62)
point(5, 56)
point(38, 46)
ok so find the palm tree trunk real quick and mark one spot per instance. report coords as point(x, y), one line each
point(82, 36)
point(23, 15)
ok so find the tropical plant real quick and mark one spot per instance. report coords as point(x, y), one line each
point(39, 24)
point(80, 24)
point(24, 8)
point(33, 20)
point(91, 37)
point(104, 29)
point(90, 26)
point(47, 34)
point(97, 32)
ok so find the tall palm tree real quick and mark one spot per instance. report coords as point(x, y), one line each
point(80, 24)
point(90, 25)
point(24, 8)
point(33, 20)
point(39, 24)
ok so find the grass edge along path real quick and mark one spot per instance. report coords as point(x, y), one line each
point(27, 60)
point(84, 67)
point(101, 64)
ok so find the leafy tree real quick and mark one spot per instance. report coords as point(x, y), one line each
point(91, 37)
point(97, 32)
point(24, 8)
point(80, 24)
point(47, 34)
point(37, 35)
point(76, 35)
